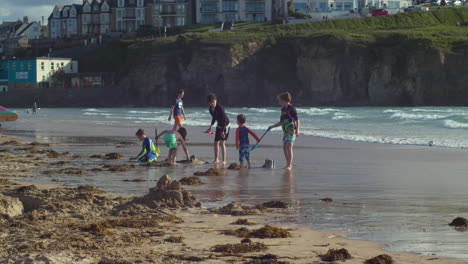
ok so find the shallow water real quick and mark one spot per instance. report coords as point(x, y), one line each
point(401, 195)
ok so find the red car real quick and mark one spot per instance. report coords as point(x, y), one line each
point(379, 12)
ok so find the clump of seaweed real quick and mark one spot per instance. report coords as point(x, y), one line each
point(11, 143)
point(241, 221)
point(136, 180)
point(119, 168)
point(459, 222)
point(60, 163)
point(108, 156)
point(184, 258)
point(96, 169)
point(327, 200)
point(380, 259)
point(275, 204)
point(210, 172)
point(68, 171)
point(336, 255)
point(246, 240)
point(270, 231)
point(267, 231)
point(235, 209)
point(191, 181)
point(266, 259)
point(240, 248)
point(234, 166)
point(88, 189)
point(39, 144)
point(174, 239)
point(97, 229)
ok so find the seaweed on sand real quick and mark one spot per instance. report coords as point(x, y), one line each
point(380, 259)
point(191, 181)
point(241, 221)
point(234, 166)
point(274, 204)
point(119, 168)
point(239, 248)
point(174, 239)
point(266, 259)
point(136, 180)
point(108, 156)
point(210, 172)
point(459, 222)
point(88, 189)
point(267, 231)
point(336, 255)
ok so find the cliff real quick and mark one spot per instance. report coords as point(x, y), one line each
point(404, 60)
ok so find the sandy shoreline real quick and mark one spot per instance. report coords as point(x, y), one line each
point(63, 225)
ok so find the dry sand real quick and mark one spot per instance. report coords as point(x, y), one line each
point(60, 224)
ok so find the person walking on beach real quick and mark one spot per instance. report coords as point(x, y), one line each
point(242, 140)
point(34, 109)
point(171, 139)
point(290, 124)
point(177, 110)
point(222, 129)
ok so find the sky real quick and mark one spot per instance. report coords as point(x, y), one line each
point(12, 10)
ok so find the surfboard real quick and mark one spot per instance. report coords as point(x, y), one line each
point(7, 115)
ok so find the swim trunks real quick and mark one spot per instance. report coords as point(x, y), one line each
point(289, 138)
point(170, 140)
point(244, 153)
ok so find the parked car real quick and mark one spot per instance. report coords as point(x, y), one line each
point(379, 12)
point(455, 3)
point(435, 2)
point(413, 8)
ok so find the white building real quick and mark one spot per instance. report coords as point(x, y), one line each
point(31, 30)
point(129, 15)
point(213, 11)
point(47, 67)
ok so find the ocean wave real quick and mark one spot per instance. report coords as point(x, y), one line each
point(97, 114)
point(142, 112)
point(390, 111)
point(92, 110)
point(317, 111)
point(454, 124)
point(343, 116)
point(417, 117)
point(261, 110)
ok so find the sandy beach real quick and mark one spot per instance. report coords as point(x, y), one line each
point(51, 223)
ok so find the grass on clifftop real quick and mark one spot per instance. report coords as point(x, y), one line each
point(422, 29)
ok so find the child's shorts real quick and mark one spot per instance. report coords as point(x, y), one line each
point(289, 138)
point(244, 153)
point(178, 119)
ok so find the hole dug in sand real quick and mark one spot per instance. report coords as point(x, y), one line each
point(336, 255)
point(380, 259)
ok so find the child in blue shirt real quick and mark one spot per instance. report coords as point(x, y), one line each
point(242, 140)
point(148, 152)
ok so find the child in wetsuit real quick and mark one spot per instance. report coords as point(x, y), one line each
point(148, 152)
point(222, 129)
point(171, 139)
point(289, 122)
point(242, 140)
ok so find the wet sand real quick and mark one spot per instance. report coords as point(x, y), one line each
point(61, 224)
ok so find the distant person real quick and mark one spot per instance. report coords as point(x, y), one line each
point(289, 122)
point(242, 140)
point(177, 109)
point(222, 129)
point(1, 128)
point(34, 109)
point(171, 139)
point(148, 152)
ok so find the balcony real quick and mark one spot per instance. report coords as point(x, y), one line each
point(129, 17)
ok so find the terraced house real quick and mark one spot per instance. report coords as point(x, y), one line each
point(169, 13)
point(212, 11)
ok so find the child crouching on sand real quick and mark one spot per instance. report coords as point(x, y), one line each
point(148, 152)
point(289, 122)
point(171, 139)
point(242, 140)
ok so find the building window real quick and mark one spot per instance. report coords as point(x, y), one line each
point(42, 66)
point(254, 6)
point(301, 7)
point(158, 8)
point(71, 66)
point(393, 4)
point(230, 6)
point(139, 13)
point(208, 18)
point(140, 3)
point(51, 65)
point(257, 17)
point(209, 8)
point(230, 16)
point(180, 21)
point(29, 66)
point(181, 9)
point(121, 3)
point(21, 66)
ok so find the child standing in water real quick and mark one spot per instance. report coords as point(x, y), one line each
point(242, 140)
point(177, 110)
point(171, 139)
point(222, 129)
point(289, 122)
point(148, 152)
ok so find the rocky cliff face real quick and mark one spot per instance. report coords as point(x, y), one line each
point(319, 70)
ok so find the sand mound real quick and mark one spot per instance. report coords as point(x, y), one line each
point(210, 172)
point(380, 259)
point(10, 206)
point(336, 255)
point(191, 181)
point(459, 222)
point(167, 193)
point(235, 209)
point(193, 161)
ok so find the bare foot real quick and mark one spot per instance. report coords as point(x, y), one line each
point(224, 162)
point(288, 168)
point(215, 161)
